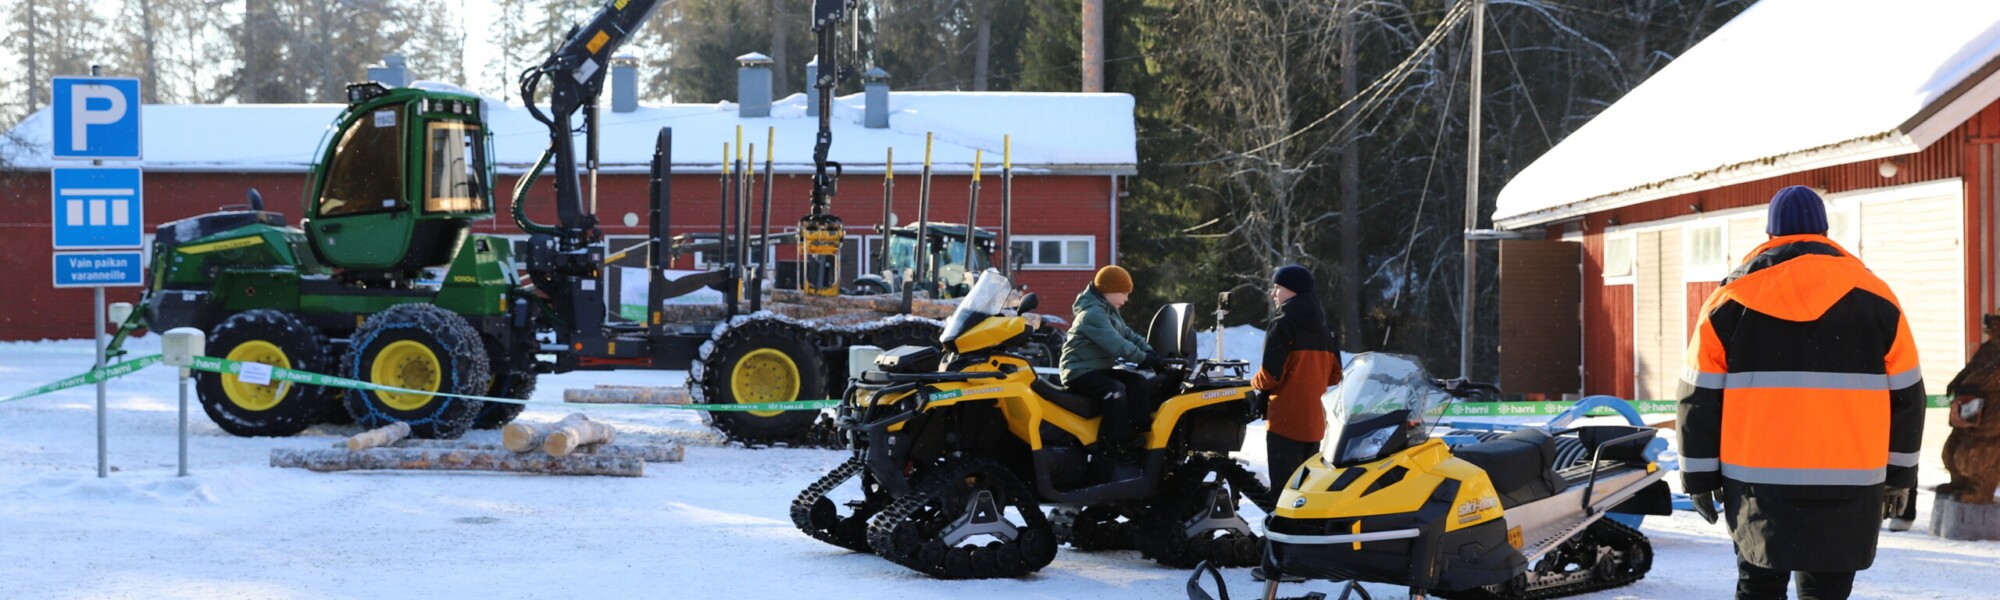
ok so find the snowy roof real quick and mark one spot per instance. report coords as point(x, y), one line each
point(1787, 86)
point(1060, 133)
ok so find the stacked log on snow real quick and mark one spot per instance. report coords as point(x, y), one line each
point(628, 394)
point(575, 445)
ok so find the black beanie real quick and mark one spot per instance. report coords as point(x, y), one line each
point(1796, 210)
point(1294, 278)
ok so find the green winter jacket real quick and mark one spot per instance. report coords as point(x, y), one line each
point(1098, 338)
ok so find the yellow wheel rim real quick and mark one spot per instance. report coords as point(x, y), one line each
point(250, 396)
point(765, 375)
point(409, 365)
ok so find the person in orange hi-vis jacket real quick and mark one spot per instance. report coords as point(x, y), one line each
point(1801, 408)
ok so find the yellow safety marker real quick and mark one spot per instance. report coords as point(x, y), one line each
point(977, 156)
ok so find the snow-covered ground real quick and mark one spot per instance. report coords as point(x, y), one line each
point(715, 526)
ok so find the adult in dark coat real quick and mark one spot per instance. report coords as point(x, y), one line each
point(1301, 360)
point(1802, 408)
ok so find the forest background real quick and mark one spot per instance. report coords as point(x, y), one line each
point(1326, 133)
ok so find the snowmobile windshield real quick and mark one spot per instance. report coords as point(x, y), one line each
point(1384, 403)
point(985, 299)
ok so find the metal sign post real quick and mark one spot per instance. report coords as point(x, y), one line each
point(97, 119)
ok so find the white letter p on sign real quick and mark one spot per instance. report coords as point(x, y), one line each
point(84, 117)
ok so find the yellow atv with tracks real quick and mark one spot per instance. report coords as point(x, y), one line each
point(959, 447)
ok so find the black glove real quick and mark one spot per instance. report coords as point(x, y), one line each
point(1704, 504)
point(1152, 362)
point(1260, 403)
point(1894, 500)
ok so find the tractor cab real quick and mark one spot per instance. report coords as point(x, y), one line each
point(949, 271)
point(405, 174)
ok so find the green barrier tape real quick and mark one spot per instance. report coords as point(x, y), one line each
point(92, 376)
point(230, 367)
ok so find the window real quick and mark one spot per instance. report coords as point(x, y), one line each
point(1707, 252)
point(366, 173)
point(1617, 258)
point(1843, 224)
point(1055, 252)
point(454, 168)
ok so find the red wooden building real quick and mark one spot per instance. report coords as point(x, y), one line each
point(1892, 112)
point(1070, 155)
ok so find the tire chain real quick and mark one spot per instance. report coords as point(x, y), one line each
point(1160, 535)
point(1605, 532)
point(893, 533)
point(849, 532)
point(708, 378)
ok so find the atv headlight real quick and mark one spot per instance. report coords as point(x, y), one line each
point(1367, 446)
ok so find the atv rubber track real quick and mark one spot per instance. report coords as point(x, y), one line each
point(894, 533)
point(849, 532)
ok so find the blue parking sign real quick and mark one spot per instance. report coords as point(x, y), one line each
point(98, 207)
point(97, 118)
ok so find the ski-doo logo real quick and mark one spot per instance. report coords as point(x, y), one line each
point(1471, 508)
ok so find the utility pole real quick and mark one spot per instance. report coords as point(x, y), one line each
point(1350, 192)
point(1093, 46)
point(1467, 296)
point(780, 23)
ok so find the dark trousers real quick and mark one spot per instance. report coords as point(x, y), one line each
point(1758, 583)
point(1127, 397)
point(1285, 455)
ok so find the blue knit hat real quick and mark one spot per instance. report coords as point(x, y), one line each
point(1796, 210)
point(1294, 278)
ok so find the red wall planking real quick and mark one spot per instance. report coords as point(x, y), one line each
point(1043, 205)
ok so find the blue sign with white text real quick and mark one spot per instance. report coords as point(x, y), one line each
point(98, 208)
point(98, 269)
point(97, 118)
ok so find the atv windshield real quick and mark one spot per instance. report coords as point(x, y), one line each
point(986, 299)
point(1384, 403)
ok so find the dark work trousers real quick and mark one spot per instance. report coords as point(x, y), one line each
point(1758, 583)
point(1127, 397)
point(1285, 455)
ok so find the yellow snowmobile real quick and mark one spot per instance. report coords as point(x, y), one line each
point(959, 446)
point(1494, 516)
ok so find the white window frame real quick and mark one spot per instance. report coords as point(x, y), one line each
point(1034, 241)
point(1715, 272)
point(1631, 258)
point(1848, 211)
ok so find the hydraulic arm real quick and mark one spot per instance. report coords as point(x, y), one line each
point(563, 259)
point(820, 232)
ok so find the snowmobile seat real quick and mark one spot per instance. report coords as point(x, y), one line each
point(1520, 464)
point(1082, 406)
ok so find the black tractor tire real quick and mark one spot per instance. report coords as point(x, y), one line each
point(776, 356)
point(282, 408)
point(905, 333)
point(509, 381)
point(519, 385)
point(413, 343)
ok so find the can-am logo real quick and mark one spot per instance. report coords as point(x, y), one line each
point(1218, 394)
